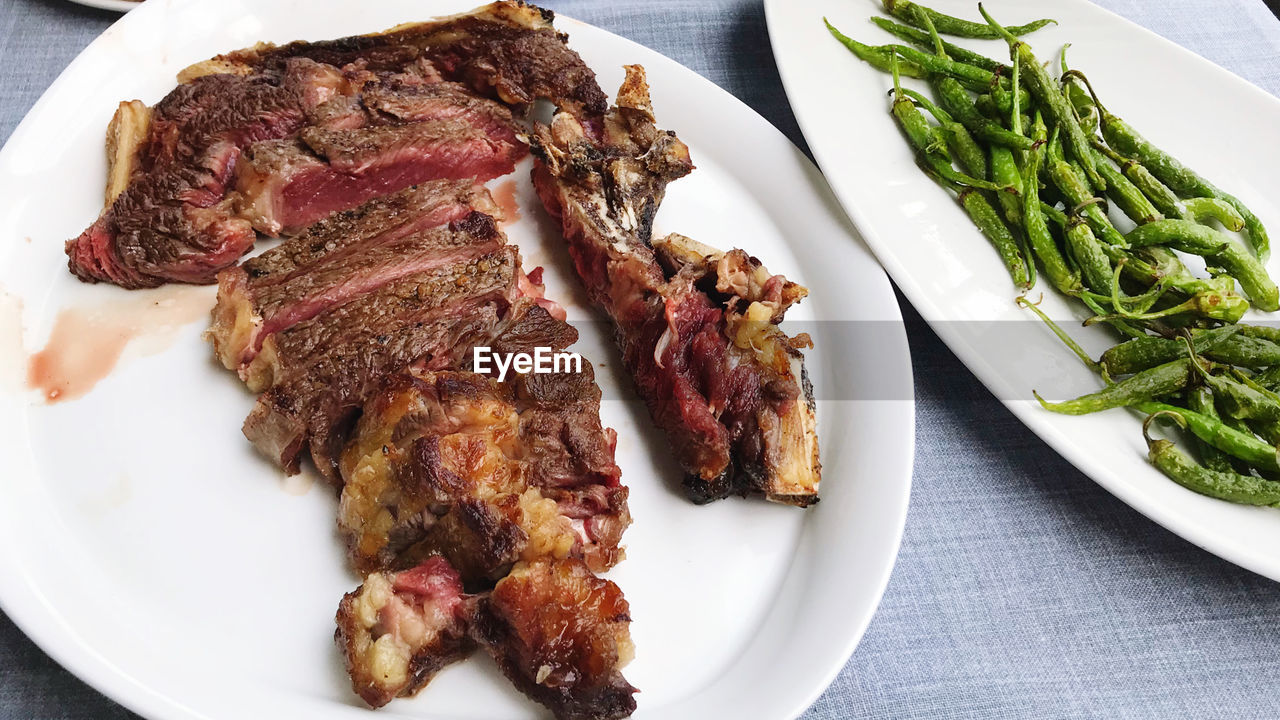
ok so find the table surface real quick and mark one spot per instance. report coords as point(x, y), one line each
point(1022, 588)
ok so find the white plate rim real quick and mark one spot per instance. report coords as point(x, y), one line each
point(1247, 556)
point(33, 614)
point(123, 6)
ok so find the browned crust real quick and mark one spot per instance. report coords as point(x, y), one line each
point(561, 636)
point(448, 648)
point(219, 66)
point(480, 539)
point(494, 48)
point(512, 13)
point(604, 189)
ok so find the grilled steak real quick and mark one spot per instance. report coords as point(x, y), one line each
point(485, 473)
point(508, 49)
point(738, 415)
point(569, 452)
point(172, 222)
point(398, 629)
point(509, 482)
point(758, 377)
point(358, 333)
point(562, 636)
point(512, 482)
point(571, 459)
point(400, 100)
point(286, 185)
point(433, 469)
point(343, 256)
point(321, 127)
point(324, 369)
point(559, 633)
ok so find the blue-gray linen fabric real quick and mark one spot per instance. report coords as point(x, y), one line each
point(1022, 589)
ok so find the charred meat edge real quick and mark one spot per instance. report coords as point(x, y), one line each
point(604, 188)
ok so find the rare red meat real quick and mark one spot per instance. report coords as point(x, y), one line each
point(302, 130)
point(697, 327)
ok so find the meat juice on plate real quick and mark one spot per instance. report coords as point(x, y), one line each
point(88, 341)
point(504, 193)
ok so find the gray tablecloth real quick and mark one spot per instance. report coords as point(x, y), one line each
point(1022, 589)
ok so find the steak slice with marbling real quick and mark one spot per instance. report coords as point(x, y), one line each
point(286, 185)
point(324, 369)
point(434, 469)
point(484, 472)
point(321, 126)
point(173, 222)
point(560, 634)
point(348, 254)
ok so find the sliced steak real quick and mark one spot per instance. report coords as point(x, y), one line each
point(345, 233)
point(323, 370)
point(559, 633)
point(561, 636)
point(397, 630)
point(347, 254)
point(482, 472)
point(561, 414)
point(173, 223)
point(569, 452)
point(303, 297)
point(398, 101)
point(286, 185)
point(571, 459)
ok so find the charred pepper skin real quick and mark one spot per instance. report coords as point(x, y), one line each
point(1209, 428)
point(1041, 242)
point(1200, 401)
point(1146, 352)
point(921, 39)
point(1197, 239)
point(957, 102)
point(1150, 384)
point(1179, 177)
point(1045, 90)
point(1229, 486)
point(950, 25)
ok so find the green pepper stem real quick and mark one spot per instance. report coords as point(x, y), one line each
point(1062, 334)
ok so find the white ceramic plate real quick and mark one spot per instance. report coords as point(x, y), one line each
point(147, 548)
point(1222, 126)
point(120, 5)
